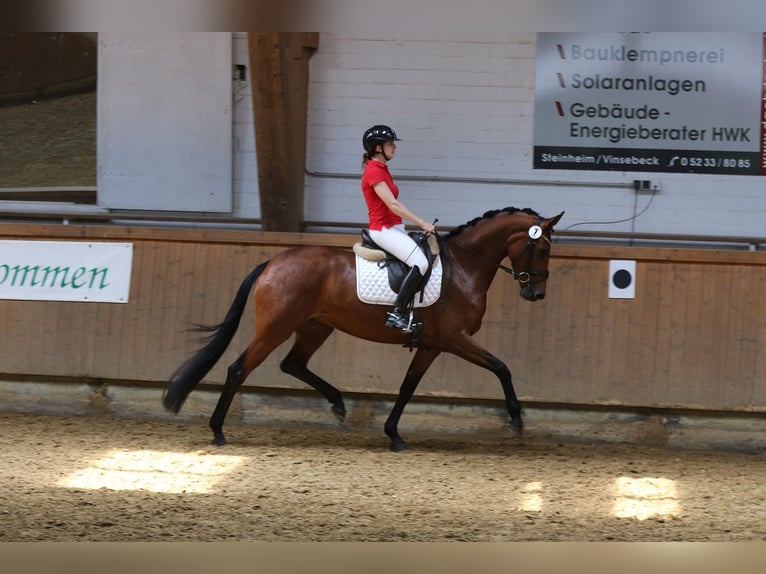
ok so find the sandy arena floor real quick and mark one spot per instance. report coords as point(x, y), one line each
point(99, 478)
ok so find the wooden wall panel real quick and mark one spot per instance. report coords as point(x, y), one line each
point(694, 336)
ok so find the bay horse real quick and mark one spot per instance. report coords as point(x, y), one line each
point(310, 291)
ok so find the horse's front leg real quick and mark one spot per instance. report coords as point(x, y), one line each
point(420, 362)
point(467, 349)
point(511, 401)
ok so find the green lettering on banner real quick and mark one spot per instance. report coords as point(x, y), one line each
point(94, 273)
point(54, 277)
point(24, 272)
point(75, 276)
point(56, 271)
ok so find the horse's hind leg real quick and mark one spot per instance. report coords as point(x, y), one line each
point(235, 376)
point(420, 362)
point(308, 339)
point(247, 362)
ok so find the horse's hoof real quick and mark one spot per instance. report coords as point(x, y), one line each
point(516, 426)
point(219, 441)
point(398, 445)
point(339, 412)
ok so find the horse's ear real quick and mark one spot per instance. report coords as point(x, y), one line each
point(549, 223)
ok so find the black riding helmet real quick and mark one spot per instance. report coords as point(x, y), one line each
point(378, 134)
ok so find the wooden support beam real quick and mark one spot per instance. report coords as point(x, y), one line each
point(279, 64)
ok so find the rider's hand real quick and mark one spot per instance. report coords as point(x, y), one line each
point(429, 228)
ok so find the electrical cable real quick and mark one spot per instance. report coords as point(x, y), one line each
point(631, 218)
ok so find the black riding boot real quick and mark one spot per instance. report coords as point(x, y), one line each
point(397, 318)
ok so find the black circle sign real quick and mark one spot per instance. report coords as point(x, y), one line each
point(622, 278)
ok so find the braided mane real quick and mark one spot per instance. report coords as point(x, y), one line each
point(488, 215)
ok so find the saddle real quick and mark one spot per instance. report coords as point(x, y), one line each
point(397, 269)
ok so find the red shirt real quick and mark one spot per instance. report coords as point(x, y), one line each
point(378, 212)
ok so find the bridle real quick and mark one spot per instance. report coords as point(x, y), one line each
point(535, 232)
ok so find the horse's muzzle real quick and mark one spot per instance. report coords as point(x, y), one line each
point(531, 293)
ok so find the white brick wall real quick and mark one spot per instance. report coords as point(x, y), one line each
point(245, 184)
point(464, 108)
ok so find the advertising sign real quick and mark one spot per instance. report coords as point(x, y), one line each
point(691, 102)
point(65, 271)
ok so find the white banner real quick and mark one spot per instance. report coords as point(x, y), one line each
point(65, 271)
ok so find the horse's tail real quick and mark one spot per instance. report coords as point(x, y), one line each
point(191, 371)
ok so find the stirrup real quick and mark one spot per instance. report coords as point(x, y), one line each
point(398, 321)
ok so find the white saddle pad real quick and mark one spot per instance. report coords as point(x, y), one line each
point(372, 284)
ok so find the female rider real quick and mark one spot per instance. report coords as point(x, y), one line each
point(386, 213)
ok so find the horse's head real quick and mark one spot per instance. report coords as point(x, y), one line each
point(529, 252)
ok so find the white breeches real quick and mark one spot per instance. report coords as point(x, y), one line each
point(396, 241)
